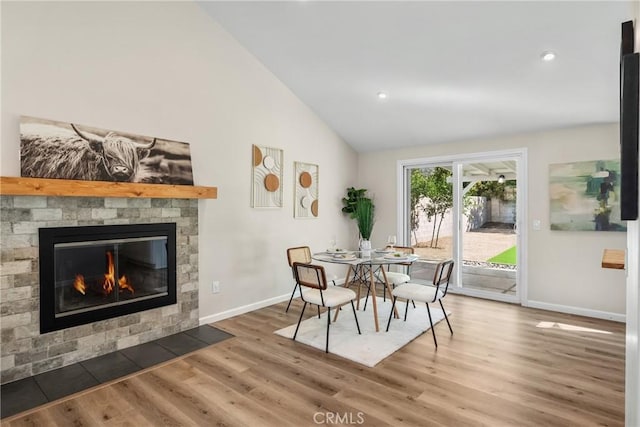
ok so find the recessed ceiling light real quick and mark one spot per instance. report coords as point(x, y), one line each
point(382, 95)
point(548, 56)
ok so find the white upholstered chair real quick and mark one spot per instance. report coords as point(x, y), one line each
point(398, 277)
point(313, 284)
point(426, 293)
point(394, 278)
point(302, 254)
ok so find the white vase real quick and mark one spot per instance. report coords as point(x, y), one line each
point(365, 248)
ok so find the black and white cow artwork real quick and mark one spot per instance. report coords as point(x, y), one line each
point(68, 151)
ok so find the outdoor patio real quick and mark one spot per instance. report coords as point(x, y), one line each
point(479, 246)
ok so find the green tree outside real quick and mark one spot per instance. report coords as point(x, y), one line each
point(432, 193)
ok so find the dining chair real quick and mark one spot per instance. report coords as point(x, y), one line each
point(426, 293)
point(300, 254)
point(313, 278)
point(398, 277)
point(395, 278)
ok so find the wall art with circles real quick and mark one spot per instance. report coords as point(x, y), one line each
point(305, 203)
point(267, 177)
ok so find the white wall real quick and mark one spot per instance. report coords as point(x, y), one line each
point(564, 267)
point(166, 69)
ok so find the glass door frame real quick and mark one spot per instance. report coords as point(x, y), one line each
point(518, 155)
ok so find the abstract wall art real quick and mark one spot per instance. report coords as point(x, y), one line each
point(267, 177)
point(305, 204)
point(585, 196)
point(60, 150)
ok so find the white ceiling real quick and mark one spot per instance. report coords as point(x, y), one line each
point(453, 70)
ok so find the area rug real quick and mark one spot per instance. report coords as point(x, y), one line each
point(371, 347)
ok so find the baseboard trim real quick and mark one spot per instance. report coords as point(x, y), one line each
point(243, 309)
point(616, 317)
point(254, 306)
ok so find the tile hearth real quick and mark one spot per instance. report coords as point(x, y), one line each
point(30, 392)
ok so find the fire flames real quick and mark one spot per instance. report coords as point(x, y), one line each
point(79, 284)
point(109, 282)
point(124, 284)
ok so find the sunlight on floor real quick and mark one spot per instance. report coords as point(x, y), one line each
point(565, 327)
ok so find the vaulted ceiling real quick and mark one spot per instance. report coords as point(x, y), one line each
point(452, 71)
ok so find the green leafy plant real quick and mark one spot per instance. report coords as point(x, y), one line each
point(361, 208)
point(364, 216)
point(352, 198)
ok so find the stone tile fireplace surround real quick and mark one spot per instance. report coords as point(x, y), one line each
point(26, 352)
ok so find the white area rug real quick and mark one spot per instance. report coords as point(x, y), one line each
point(371, 347)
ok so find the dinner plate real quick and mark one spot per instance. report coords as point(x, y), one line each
point(397, 258)
point(337, 251)
point(384, 251)
point(344, 256)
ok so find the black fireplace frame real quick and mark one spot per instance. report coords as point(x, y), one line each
point(49, 237)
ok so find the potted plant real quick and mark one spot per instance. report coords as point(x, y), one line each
point(361, 208)
point(365, 217)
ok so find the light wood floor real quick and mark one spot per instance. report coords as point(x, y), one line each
point(499, 369)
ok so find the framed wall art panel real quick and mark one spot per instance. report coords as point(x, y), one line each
point(305, 204)
point(61, 150)
point(267, 165)
point(585, 196)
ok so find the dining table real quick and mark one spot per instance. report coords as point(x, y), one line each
point(363, 269)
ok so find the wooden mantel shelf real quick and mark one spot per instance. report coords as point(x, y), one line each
point(15, 186)
point(613, 258)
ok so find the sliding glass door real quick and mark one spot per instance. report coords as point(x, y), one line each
point(467, 208)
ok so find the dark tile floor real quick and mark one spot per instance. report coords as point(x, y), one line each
point(30, 392)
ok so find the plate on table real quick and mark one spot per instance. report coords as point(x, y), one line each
point(346, 256)
point(397, 256)
point(384, 251)
point(337, 251)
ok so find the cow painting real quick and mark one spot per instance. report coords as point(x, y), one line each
point(70, 151)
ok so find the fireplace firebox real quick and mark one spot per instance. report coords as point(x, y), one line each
point(95, 273)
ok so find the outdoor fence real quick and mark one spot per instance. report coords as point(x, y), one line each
point(480, 211)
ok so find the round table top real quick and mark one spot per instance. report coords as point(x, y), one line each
point(355, 258)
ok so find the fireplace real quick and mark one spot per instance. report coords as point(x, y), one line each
point(95, 273)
